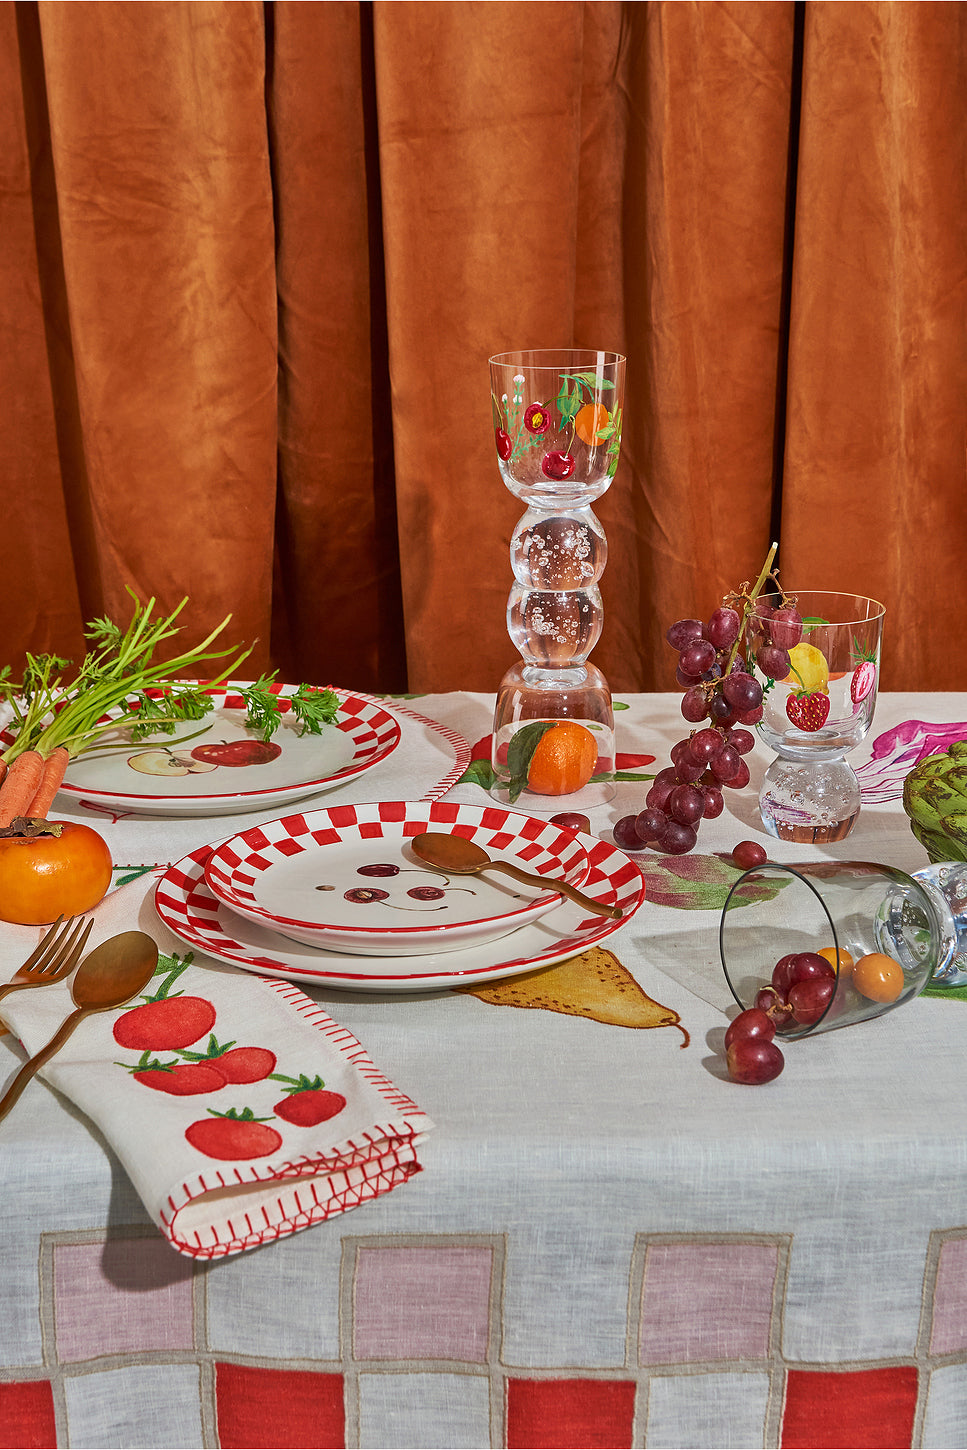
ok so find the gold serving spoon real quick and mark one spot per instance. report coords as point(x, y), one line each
point(114, 972)
point(460, 857)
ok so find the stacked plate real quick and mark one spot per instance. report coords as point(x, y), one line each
point(337, 897)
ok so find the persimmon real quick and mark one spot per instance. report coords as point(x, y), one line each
point(55, 868)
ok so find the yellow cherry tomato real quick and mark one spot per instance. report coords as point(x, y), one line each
point(808, 668)
point(845, 960)
point(878, 977)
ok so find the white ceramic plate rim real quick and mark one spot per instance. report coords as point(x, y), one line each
point(373, 712)
point(195, 920)
point(399, 815)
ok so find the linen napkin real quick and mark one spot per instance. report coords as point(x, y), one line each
point(240, 1110)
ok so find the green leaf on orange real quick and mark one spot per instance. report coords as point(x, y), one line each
point(478, 772)
point(700, 883)
point(520, 753)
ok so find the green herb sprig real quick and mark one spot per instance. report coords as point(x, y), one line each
point(117, 675)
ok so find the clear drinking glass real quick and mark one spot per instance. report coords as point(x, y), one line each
point(886, 932)
point(557, 430)
point(818, 713)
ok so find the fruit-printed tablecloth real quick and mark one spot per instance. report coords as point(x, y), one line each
point(609, 1244)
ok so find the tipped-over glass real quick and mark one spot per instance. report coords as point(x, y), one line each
point(818, 713)
point(886, 933)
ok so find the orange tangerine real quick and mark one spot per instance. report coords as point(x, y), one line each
point(590, 423)
point(563, 760)
point(878, 977)
point(845, 960)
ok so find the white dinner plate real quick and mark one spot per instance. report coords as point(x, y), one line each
point(185, 903)
point(226, 769)
point(347, 878)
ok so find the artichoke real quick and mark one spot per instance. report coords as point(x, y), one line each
point(935, 799)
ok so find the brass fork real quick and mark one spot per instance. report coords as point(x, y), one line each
point(55, 957)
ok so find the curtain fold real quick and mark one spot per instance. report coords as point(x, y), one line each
point(254, 258)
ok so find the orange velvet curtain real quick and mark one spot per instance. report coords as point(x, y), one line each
point(254, 258)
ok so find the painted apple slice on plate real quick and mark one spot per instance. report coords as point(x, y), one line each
point(219, 766)
point(346, 877)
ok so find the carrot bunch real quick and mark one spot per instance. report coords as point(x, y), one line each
point(118, 685)
point(29, 784)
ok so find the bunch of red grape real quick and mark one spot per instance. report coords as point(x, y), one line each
point(802, 986)
point(719, 688)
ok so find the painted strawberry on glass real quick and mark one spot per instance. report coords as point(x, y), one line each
point(808, 711)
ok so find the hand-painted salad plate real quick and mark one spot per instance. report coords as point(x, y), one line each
point(225, 768)
point(347, 879)
point(186, 904)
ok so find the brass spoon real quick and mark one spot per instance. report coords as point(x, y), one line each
point(460, 857)
point(112, 974)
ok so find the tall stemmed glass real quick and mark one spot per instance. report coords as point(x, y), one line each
point(557, 429)
point(818, 712)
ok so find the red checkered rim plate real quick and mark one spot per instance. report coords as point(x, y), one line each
point(271, 870)
point(187, 905)
point(364, 734)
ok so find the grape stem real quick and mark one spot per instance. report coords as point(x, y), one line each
point(749, 598)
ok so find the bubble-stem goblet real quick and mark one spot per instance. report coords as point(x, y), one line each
point(557, 430)
point(818, 712)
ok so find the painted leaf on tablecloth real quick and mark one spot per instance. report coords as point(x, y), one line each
point(700, 883)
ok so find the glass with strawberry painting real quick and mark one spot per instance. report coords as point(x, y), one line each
point(557, 417)
point(819, 653)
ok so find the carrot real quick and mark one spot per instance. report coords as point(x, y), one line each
point(20, 785)
point(54, 768)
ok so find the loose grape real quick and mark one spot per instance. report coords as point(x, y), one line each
point(785, 627)
point(753, 1022)
point(626, 834)
point(772, 661)
point(742, 740)
point(704, 744)
point(720, 710)
point(809, 999)
point(657, 797)
point(753, 1060)
point(809, 965)
point(769, 1001)
point(742, 692)
point(677, 838)
point(650, 823)
point(696, 658)
point(741, 777)
point(684, 632)
point(714, 802)
point(748, 854)
point(782, 974)
point(723, 628)
point(686, 804)
point(571, 821)
point(725, 763)
point(694, 704)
